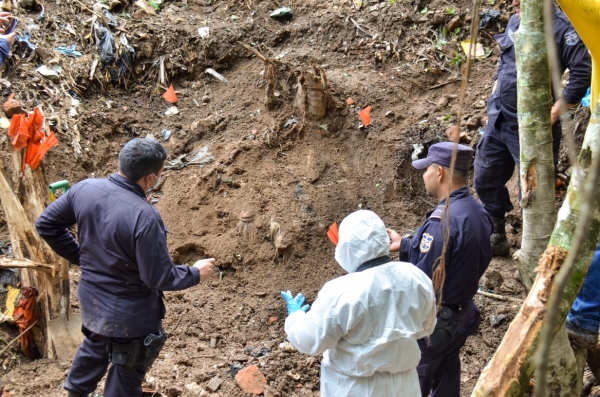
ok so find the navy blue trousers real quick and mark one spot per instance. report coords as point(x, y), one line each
point(439, 368)
point(90, 365)
point(495, 160)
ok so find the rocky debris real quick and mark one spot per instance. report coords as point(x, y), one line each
point(453, 24)
point(493, 279)
point(214, 384)
point(192, 390)
point(173, 391)
point(251, 380)
point(474, 123)
point(12, 107)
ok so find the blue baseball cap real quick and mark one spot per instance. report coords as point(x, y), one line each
point(441, 154)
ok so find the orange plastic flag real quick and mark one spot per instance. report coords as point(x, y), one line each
point(49, 142)
point(170, 95)
point(332, 233)
point(25, 315)
point(365, 116)
point(18, 131)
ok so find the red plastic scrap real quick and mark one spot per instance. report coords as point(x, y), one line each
point(19, 131)
point(25, 315)
point(365, 116)
point(332, 233)
point(26, 132)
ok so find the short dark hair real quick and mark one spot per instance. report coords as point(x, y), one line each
point(140, 157)
point(457, 173)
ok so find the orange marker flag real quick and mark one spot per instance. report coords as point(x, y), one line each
point(170, 95)
point(365, 116)
point(332, 233)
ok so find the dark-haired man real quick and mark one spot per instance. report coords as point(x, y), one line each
point(125, 266)
point(464, 229)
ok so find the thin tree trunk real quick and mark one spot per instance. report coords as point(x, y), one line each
point(509, 371)
point(536, 175)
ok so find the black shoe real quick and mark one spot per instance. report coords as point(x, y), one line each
point(581, 337)
point(500, 244)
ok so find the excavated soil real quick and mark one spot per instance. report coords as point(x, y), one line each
point(273, 180)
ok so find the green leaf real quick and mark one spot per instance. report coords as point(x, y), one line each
point(447, 117)
point(451, 11)
point(323, 127)
point(424, 10)
point(457, 31)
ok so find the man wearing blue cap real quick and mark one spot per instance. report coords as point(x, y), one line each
point(465, 228)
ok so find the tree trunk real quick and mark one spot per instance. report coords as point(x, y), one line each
point(536, 175)
point(511, 367)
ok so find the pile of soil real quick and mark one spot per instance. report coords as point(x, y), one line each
point(271, 180)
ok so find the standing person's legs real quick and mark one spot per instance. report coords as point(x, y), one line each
point(124, 381)
point(89, 365)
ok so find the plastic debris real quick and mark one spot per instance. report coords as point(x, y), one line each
point(235, 368)
point(204, 32)
point(418, 150)
point(69, 51)
point(172, 111)
point(144, 6)
point(496, 320)
point(25, 315)
point(287, 347)
point(110, 19)
point(261, 352)
point(487, 16)
point(282, 12)
point(8, 277)
point(25, 39)
point(27, 132)
point(585, 101)
point(365, 116)
point(105, 43)
point(290, 122)
point(53, 72)
point(349, 101)
point(4, 123)
point(166, 134)
point(156, 4)
point(213, 72)
point(479, 52)
point(170, 95)
point(198, 157)
point(125, 57)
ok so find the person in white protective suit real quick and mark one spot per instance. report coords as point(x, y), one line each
point(366, 322)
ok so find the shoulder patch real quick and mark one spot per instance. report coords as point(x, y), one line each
point(511, 34)
point(425, 244)
point(437, 213)
point(571, 38)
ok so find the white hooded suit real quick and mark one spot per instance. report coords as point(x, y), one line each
point(367, 323)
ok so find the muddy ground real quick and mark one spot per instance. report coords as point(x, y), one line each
point(262, 201)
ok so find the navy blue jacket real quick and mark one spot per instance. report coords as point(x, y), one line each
point(122, 252)
point(469, 249)
point(572, 52)
point(4, 50)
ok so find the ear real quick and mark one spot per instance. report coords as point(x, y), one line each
point(441, 172)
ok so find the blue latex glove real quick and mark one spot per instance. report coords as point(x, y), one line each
point(585, 101)
point(294, 303)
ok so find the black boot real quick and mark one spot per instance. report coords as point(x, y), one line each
point(500, 245)
point(73, 394)
point(581, 337)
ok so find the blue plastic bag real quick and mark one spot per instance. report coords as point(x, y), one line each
point(585, 101)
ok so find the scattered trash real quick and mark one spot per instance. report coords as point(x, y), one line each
point(69, 51)
point(170, 95)
point(358, 4)
point(323, 127)
point(282, 12)
point(496, 320)
point(418, 150)
point(26, 132)
point(105, 43)
point(72, 112)
point(287, 347)
point(349, 101)
point(172, 111)
point(585, 101)
point(261, 352)
point(487, 16)
point(124, 59)
point(11, 299)
point(166, 134)
point(294, 375)
point(198, 157)
point(52, 73)
point(234, 369)
point(390, 114)
point(365, 116)
point(479, 52)
point(25, 39)
point(212, 72)
point(110, 19)
point(25, 316)
point(8, 277)
point(290, 122)
point(204, 32)
point(4, 123)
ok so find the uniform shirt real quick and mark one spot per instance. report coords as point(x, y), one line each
point(469, 250)
point(122, 252)
point(368, 324)
point(572, 53)
point(4, 50)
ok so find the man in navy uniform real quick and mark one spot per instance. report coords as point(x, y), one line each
point(125, 266)
point(465, 228)
point(498, 149)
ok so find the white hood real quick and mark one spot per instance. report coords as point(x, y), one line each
point(362, 237)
